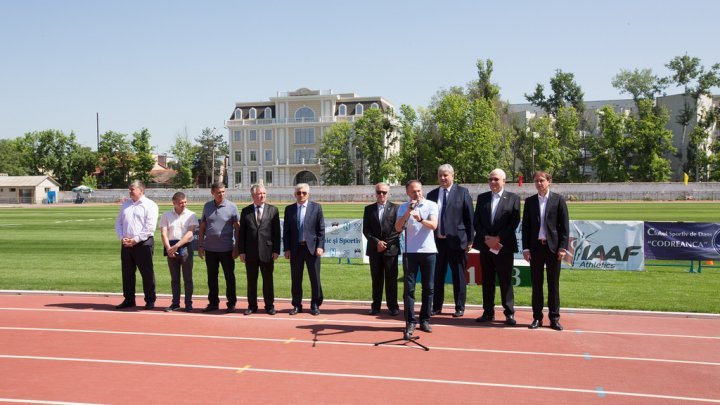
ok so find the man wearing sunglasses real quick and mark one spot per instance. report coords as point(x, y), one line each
point(304, 245)
point(383, 247)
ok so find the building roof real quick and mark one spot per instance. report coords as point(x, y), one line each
point(25, 181)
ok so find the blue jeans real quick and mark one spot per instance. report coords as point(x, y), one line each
point(412, 262)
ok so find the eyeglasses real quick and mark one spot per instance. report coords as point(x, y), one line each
point(301, 193)
point(493, 179)
point(380, 192)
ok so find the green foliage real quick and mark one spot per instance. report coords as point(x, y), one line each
point(114, 159)
point(567, 123)
point(612, 150)
point(53, 153)
point(545, 146)
point(641, 84)
point(335, 155)
point(409, 147)
point(210, 154)
point(652, 141)
point(143, 161)
point(12, 161)
point(183, 177)
point(375, 138)
point(184, 152)
point(565, 91)
point(90, 181)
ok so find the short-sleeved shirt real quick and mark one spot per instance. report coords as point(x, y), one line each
point(178, 224)
point(419, 238)
point(219, 229)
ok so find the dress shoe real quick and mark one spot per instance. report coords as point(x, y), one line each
point(458, 314)
point(188, 308)
point(210, 308)
point(230, 309)
point(425, 327)
point(485, 318)
point(314, 311)
point(409, 329)
point(173, 307)
point(250, 311)
point(149, 305)
point(436, 312)
point(270, 311)
point(295, 310)
point(556, 325)
point(535, 324)
point(125, 304)
point(394, 312)
point(374, 312)
point(510, 320)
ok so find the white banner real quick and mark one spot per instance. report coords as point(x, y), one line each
point(343, 238)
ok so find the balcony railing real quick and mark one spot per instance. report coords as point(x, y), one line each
point(286, 121)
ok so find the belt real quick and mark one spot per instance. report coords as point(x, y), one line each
point(542, 241)
point(302, 243)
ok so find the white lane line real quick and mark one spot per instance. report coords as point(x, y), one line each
point(341, 343)
point(593, 392)
point(40, 401)
point(390, 322)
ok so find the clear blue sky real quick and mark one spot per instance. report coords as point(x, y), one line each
point(175, 65)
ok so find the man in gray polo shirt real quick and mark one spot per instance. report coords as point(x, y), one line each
point(219, 229)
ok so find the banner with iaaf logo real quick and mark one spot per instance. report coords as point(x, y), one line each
point(682, 240)
point(602, 245)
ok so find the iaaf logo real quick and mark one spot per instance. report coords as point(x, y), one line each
point(581, 248)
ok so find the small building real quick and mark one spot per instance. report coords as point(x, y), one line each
point(27, 189)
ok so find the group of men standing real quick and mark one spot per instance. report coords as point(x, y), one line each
point(439, 231)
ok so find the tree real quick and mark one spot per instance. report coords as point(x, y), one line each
point(335, 155)
point(483, 88)
point(53, 153)
point(12, 161)
point(375, 137)
point(185, 153)
point(114, 159)
point(409, 145)
point(641, 84)
point(612, 150)
point(209, 159)
point(565, 91)
point(143, 161)
point(544, 147)
point(652, 141)
point(567, 123)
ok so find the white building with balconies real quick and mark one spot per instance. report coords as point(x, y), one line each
point(276, 141)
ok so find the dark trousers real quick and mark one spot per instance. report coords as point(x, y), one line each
point(384, 270)
point(253, 268)
point(181, 265)
point(298, 260)
point(213, 260)
point(457, 260)
point(500, 266)
point(138, 257)
point(542, 259)
point(412, 262)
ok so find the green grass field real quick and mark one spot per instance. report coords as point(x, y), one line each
point(74, 248)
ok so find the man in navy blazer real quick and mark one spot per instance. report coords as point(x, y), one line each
point(545, 234)
point(259, 247)
point(383, 248)
point(453, 237)
point(304, 245)
point(497, 215)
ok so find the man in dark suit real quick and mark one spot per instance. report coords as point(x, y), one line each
point(497, 215)
point(259, 246)
point(453, 238)
point(304, 245)
point(383, 247)
point(545, 233)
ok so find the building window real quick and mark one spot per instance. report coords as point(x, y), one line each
point(252, 114)
point(268, 155)
point(268, 113)
point(238, 156)
point(342, 110)
point(253, 177)
point(374, 105)
point(268, 177)
point(359, 109)
point(237, 136)
point(253, 156)
point(305, 156)
point(252, 135)
point(304, 114)
point(12, 190)
point(304, 136)
point(268, 134)
point(238, 114)
point(238, 177)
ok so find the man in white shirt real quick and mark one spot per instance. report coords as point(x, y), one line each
point(177, 229)
point(135, 227)
point(418, 217)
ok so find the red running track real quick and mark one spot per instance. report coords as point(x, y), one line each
point(78, 349)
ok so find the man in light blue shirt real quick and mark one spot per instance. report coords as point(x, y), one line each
point(418, 218)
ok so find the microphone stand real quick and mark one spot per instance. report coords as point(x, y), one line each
point(406, 338)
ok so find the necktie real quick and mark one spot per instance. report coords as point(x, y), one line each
point(494, 204)
point(381, 212)
point(258, 215)
point(442, 214)
point(300, 222)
